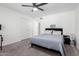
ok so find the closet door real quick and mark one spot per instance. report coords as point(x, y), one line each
point(36, 28)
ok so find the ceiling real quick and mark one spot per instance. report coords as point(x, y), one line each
point(50, 8)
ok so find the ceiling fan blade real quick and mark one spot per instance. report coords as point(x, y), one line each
point(40, 9)
point(41, 4)
point(27, 6)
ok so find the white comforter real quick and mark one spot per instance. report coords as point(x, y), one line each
point(49, 41)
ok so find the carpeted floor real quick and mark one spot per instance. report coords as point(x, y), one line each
point(23, 48)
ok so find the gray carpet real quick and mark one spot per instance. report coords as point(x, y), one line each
point(23, 48)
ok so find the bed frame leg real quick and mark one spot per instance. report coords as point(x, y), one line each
point(60, 54)
point(31, 45)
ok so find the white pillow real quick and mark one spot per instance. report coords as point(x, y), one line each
point(47, 32)
point(56, 32)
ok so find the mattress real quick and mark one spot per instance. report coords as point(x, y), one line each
point(49, 41)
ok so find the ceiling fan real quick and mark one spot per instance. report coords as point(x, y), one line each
point(36, 6)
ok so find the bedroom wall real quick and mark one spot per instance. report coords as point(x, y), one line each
point(15, 26)
point(77, 25)
point(26, 29)
point(65, 20)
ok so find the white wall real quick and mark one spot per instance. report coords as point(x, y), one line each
point(15, 26)
point(77, 25)
point(26, 29)
point(65, 20)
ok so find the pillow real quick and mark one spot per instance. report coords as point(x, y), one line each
point(47, 32)
point(56, 32)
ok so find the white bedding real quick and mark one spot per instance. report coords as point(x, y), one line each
point(50, 41)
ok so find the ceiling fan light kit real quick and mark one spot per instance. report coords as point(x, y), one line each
point(34, 9)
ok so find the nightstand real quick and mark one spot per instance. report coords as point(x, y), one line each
point(67, 39)
point(1, 40)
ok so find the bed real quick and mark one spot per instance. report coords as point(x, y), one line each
point(55, 42)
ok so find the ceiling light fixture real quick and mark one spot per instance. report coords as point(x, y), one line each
point(34, 9)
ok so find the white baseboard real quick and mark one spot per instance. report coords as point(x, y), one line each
point(4, 44)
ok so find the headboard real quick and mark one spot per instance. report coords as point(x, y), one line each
point(55, 29)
